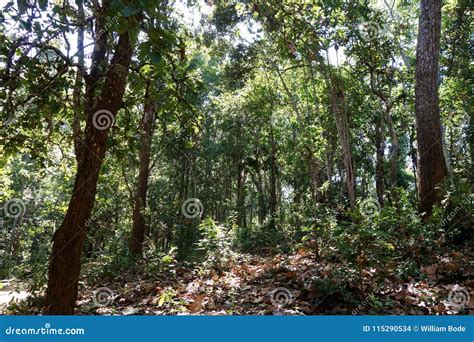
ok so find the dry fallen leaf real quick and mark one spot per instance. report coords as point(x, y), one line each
point(197, 304)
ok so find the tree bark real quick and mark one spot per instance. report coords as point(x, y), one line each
point(273, 187)
point(65, 261)
point(78, 110)
point(379, 169)
point(395, 151)
point(431, 164)
point(241, 217)
point(139, 225)
point(338, 108)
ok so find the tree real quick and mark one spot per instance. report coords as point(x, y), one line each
point(146, 134)
point(65, 263)
point(431, 164)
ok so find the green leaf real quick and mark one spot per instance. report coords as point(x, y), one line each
point(22, 6)
point(155, 57)
point(130, 11)
point(43, 4)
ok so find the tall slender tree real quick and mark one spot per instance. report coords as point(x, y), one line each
point(147, 125)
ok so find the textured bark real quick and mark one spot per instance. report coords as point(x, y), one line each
point(314, 185)
point(257, 181)
point(395, 151)
point(431, 164)
point(139, 225)
point(273, 179)
point(65, 261)
point(241, 219)
point(338, 109)
point(379, 169)
point(78, 109)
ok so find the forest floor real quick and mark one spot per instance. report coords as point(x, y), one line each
point(297, 284)
point(10, 292)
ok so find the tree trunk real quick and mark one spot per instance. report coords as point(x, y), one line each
point(138, 228)
point(241, 217)
point(78, 108)
point(273, 187)
point(431, 165)
point(395, 151)
point(314, 185)
point(338, 109)
point(379, 169)
point(65, 261)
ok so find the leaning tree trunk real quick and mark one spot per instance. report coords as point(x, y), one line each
point(138, 228)
point(65, 261)
point(431, 165)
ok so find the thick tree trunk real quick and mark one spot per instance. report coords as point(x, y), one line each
point(139, 226)
point(65, 261)
point(431, 165)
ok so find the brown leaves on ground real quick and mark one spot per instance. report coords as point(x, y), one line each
point(297, 284)
point(309, 287)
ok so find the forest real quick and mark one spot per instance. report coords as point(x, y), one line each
point(223, 157)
